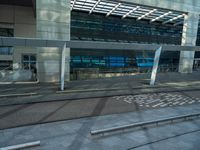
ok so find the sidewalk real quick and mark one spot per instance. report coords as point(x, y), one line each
point(75, 134)
point(31, 93)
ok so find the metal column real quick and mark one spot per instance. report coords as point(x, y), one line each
point(155, 65)
point(62, 69)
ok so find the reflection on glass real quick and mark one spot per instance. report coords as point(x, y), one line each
point(6, 50)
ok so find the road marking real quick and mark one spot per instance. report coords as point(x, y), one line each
point(182, 103)
point(128, 101)
point(156, 100)
point(191, 102)
point(156, 105)
point(177, 102)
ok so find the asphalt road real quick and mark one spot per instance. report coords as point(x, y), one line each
point(36, 113)
point(42, 112)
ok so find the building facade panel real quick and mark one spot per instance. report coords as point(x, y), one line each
point(9, 11)
point(24, 26)
point(53, 19)
point(189, 37)
point(52, 24)
point(22, 22)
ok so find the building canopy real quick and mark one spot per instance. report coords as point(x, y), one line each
point(126, 10)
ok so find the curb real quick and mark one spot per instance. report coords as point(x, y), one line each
point(18, 95)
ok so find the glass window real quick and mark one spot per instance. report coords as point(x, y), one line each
point(28, 61)
point(6, 50)
point(6, 32)
point(101, 28)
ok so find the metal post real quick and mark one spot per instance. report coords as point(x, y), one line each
point(155, 65)
point(62, 72)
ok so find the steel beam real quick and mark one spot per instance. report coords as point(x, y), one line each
point(73, 5)
point(147, 14)
point(95, 5)
point(161, 16)
point(34, 42)
point(175, 18)
point(113, 9)
point(131, 11)
point(178, 23)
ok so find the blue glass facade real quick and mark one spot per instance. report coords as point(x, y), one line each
point(97, 27)
point(6, 50)
point(7, 32)
point(101, 61)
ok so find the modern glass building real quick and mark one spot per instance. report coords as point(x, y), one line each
point(97, 27)
point(126, 21)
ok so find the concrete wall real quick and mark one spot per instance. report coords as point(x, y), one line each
point(24, 23)
point(53, 22)
point(6, 57)
point(24, 26)
point(22, 19)
point(189, 37)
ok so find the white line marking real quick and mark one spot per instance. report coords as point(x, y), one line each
point(128, 101)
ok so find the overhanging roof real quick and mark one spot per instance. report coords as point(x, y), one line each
point(109, 7)
point(124, 10)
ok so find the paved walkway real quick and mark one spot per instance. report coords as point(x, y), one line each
point(50, 106)
point(102, 103)
point(98, 88)
point(75, 134)
point(36, 113)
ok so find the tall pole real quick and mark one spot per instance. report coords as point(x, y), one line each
point(62, 70)
point(155, 65)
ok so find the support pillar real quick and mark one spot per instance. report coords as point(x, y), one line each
point(189, 36)
point(53, 22)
